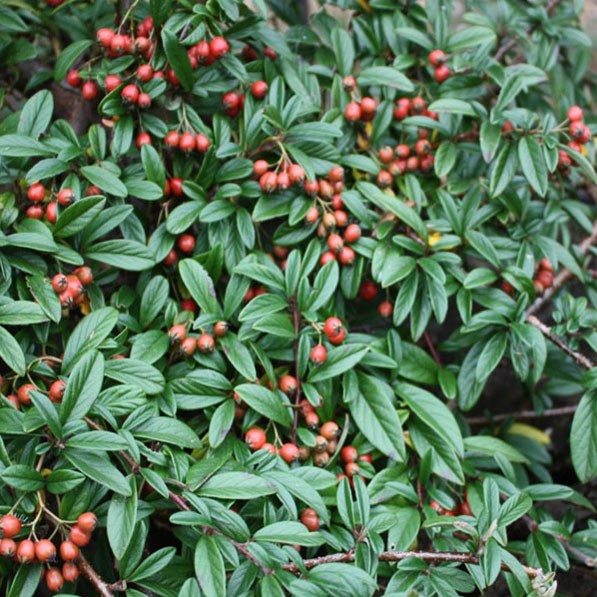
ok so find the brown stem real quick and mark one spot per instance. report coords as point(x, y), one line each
point(503, 50)
point(525, 414)
point(563, 275)
point(397, 556)
point(96, 580)
point(583, 557)
point(580, 358)
point(432, 349)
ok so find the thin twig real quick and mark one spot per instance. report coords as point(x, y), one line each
point(522, 415)
point(296, 321)
point(397, 556)
point(580, 358)
point(503, 50)
point(432, 349)
point(96, 580)
point(583, 557)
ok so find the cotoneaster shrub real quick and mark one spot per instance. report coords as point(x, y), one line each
point(257, 266)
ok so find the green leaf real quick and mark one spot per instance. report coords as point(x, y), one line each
point(68, 56)
point(288, 532)
point(83, 386)
point(471, 36)
point(324, 286)
point(503, 170)
point(105, 180)
point(178, 59)
point(491, 446)
point(375, 415)
point(63, 480)
point(221, 423)
point(489, 139)
point(45, 296)
point(339, 360)
point(21, 146)
point(89, 333)
point(514, 508)
point(209, 567)
point(200, 285)
point(36, 114)
point(387, 76)
point(480, 276)
point(236, 486)
point(491, 355)
point(23, 478)
point(25, 582)
point(76, 216)
point(153, 564)
point(11, 352)
point(97, 467)
point(343, 49)
point(583, 438)
point(153, 300)
point(48, 412)
point(445, 158)
point(239, 356)
point(104, 441)
point(452, 106)
point(184, 216)
point(532, 162)
point(153, 165)
point(21, 313)
point(129, 255)
point(48, 168)
point(137, 373)
point(122, 515)
point(170, 431)
point(267, 403)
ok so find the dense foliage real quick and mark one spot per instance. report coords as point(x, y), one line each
point(256, 269)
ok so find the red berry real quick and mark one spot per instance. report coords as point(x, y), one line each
point(52, 212)
point(176, 187)
point(352, 112)
point(186, 243)
point(341, 218)
point(73, 78)
point(338, 338)
point(259, 89)
point(465, 509)
point(111, 82)
point(177, 333)
point(172, 139)
point(545, 278)
point(220, 328)
point(187, 142)
point(352, 233)
point(312, 215)
point(54, 579)
point(87, 522)
point(412, 163)
point(436, 57)
point(35, 212)
point(8, 548)
point(348, 454)
point(260, 167)
point(577, 129)
point(310, 519)
point(24, 397)
point(575, 113)
point(206, 343)
point(202, 52)
point(422, 147)
point(386, 154)
point(330, 430)
point(59, 283)
point(335, 242)
point(142, 139)
point(268, 182)
point(188, 346)
point(368, 106)
point(255, 438)
point(270, 53)
point(56, 391)
point(68, 551)
point(401, 108)
point(368, 290)
point(36, 192)
point(171, 258)
point(79, 537)
point(346, 256)
point(319, 354)
point(130, 94)
point(105, 36)
point(332, 327)
point(218, 46)
point(283, 181)
point(349, 83)
point(546, 264)
point(145, 73)
point(45, 550)
point(10, 525)
point(384, 179)
point(289, 452)
point(202, 143)
point(66, 197)
point(144, 101)
point(385, 309)
point(311, 187)
point(70, 572)
point(327, 257)
point(188, 304)
point(288, 384)
point(352, 469)
point(89, 90)
point(336, 174)
point(231, 103)
point(442, 73)
point(296, 174)
point(25, 551)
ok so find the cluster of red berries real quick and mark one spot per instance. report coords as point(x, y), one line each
point(403, 158)
point(368, 291)
point(186, 244)
point(338, 250)
point(437, 58)
point(417, 106)
point(363, 111)
point(205, 342)
point(544, 276)
point(249, 53)
point(186, 142)
point(579, 132)
point(334, 330)
point(44, 551)
point(206, 53)
point(281, 178)
point(233, 102)
point(350, 456)
point(462, 508)
point(251, 293)
point(71, 288)
point(37, 194)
